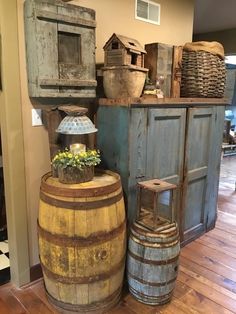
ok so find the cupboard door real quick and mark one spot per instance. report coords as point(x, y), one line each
point(198, 136)
point(165, 148)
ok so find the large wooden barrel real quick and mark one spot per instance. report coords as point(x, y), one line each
point(152, 263)
point(82, 242)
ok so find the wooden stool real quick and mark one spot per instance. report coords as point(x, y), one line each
point(151, 219)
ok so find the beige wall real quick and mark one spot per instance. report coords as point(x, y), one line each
point(119, 17)
point(226, 38)
point(37, 160)
point(111, 16)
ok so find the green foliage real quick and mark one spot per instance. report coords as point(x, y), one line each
point(84, 159)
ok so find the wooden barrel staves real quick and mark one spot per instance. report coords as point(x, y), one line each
point(82, 242)
point(152, 263)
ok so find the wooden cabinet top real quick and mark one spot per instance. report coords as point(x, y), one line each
point(162, 102)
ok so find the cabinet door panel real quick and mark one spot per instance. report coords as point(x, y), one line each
point(195, 199)
point(165, 147)
point(198, 135)
point(165, 143)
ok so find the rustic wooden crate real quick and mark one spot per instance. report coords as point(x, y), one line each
point(60, 49)
point(159, 60)
point(176, 71)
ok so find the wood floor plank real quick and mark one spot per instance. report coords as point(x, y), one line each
point(210, 293)
point(208, 263)
point(209, 283)
point(31, 301)
point(223, 235)
point(4, 307)
point(136, 306)
point(219, 245)
point(121, 309)
point(39, 290)
point(180, 290)
point(201, 304)
point(225, 227)
point(226, 207)
point(227, 283)
point(227, 219)
point(216, 255)
point(8, 298)
point(177, 307)
point(15, 306)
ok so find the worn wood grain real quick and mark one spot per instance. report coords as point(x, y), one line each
point(58, 39)
point(31, 302)
point(202, 304)
point(209, 291)
point(199, 127)
point(154, 101)
point(211, 275)
point(176, 71)
point(159, 60)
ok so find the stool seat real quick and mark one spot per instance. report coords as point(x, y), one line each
point(156, 185)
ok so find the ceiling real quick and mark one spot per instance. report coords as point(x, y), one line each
point(214, 15)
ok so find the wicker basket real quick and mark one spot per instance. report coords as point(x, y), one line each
point(203, 75)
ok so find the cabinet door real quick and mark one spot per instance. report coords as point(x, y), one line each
point(165, 148)
point(198, 141)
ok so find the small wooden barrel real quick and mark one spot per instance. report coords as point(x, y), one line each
point(82, 242)
point(152, 263)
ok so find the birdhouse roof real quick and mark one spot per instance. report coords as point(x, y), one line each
point(128, 43)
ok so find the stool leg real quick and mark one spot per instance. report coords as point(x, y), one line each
point(139, 197)
point(155, 209)
point(172, 202)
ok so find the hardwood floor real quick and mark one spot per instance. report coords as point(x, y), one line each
point(207, 277)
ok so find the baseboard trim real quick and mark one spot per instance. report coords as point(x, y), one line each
point(35, 272)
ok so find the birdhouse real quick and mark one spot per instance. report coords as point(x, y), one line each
point(121, 50)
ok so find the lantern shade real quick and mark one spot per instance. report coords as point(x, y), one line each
point(76, 125)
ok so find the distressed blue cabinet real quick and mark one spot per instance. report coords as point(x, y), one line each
point(177, 140)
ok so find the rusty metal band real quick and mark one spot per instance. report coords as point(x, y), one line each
point(104, 304)
point(93, 239)
point(153, 262)
point(80, 205)
point(156, 244)
point(156, 300)
point(88, 192)
point(151, 284)
point(84, 280)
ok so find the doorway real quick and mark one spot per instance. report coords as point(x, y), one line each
point(4, 248)
point(12, 145)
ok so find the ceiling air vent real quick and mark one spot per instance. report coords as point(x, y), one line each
point(148, 11)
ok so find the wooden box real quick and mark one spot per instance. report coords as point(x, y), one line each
point(60, 49)
point(159, 61)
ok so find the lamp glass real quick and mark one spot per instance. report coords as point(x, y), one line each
point(76, 125)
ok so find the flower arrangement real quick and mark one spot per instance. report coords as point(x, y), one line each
point(84, 158)
point(75, 168)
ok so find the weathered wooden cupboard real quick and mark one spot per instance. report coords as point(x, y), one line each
point(177, 140)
